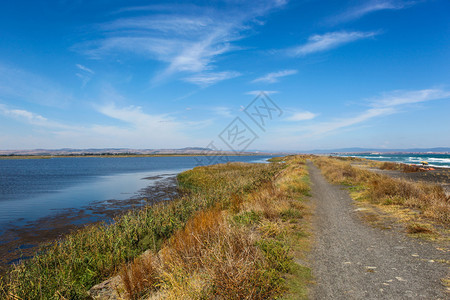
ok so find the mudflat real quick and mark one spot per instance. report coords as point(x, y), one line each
point(23, 242)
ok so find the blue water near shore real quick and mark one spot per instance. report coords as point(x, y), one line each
point(34, 188)
point(436, 160)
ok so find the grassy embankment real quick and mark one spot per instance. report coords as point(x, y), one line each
point(424, 207)
point(234, 233)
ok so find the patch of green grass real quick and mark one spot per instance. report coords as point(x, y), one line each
point(277, 254)
point(307, 191)
point(247, 218)
point(357, 188)
point(277, 159)
point(291, 214)
point(299, 234)
point(297, 282)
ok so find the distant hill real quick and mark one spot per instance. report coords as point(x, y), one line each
point(202, 150)
point(123, 151)
point(196, 148)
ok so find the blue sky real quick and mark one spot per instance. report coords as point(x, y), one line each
point(149, 74)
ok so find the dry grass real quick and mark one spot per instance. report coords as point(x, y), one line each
point(230, 235)
point(430, 199)
point(419, 228)
point(239, 248)
point(71, 266)
point(187, 245)
point(399, 167)
point(139, 276)
point(208, 258)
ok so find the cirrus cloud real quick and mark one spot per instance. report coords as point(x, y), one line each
point(330, 40)
point(387, 104)
point(368, 7)
point(274, 76)
point(186, 41)
point(210, 78)
point(302, 116)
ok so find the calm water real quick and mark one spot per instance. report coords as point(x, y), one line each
point(34, 188)
point(437, 160)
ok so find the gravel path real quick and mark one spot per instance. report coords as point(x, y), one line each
point(352, 260)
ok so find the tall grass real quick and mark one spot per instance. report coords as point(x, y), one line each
point(238, 247)
point(215, 260)
point(381, 189)
point(68, 267)
point(399, 167)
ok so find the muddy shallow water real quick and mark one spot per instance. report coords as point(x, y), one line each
point(44, 199)
point(20, 242)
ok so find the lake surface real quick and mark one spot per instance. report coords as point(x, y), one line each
point(31, 189)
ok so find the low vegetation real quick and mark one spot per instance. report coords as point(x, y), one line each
point(240, 248)
point(429, 199)
point(406, 168)
point(232, 234)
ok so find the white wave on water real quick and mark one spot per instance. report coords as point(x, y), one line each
point(429, 160)
point(439, 160)
point(414, 158)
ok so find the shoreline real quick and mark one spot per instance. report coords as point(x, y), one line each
point(20, 242)
point(439, 175)
point(21, 237)
point(126, 155)
point(220, 195)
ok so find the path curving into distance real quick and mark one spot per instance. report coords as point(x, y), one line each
point(352, 260)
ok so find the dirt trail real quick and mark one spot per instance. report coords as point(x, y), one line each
point(352, 260)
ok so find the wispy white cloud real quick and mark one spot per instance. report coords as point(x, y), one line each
point(116, 126)
point(132, 128)
point(17, 84)
point(210, 78)
point(187, 41)
point(183, 43)
point(335, 125)
point(29, 117)
point(387, 104)
point(255, 93)
point(368, 7)
point(143, 129)
point(400, 97)
point(331, 40)
point(156, 8)
point(275, 76)
point(301, 116)
point(84, 68)
point(22, 114)
point(135, 116)
point(85, 74)
point(222, 111)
